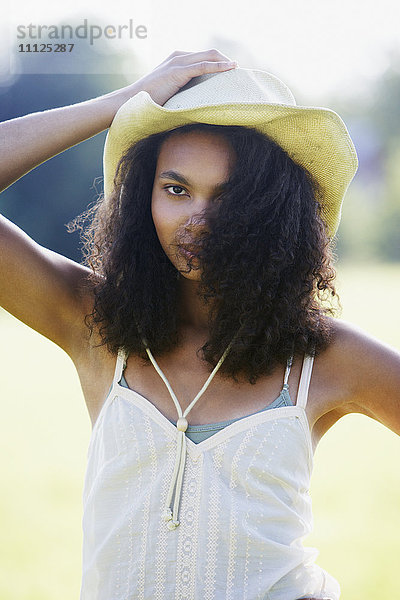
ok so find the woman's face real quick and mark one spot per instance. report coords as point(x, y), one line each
point(191, 171)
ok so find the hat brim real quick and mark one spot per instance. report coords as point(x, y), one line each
point(315, 138)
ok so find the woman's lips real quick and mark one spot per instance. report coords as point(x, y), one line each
point(190, 251)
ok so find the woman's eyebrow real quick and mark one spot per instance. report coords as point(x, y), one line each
point(178, 177)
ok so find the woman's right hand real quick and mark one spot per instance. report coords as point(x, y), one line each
point(177, 69)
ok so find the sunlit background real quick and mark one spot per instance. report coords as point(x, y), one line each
point(341, 54)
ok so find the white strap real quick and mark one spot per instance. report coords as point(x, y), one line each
point(119, 366)
point(171, 391)
point(302, 394)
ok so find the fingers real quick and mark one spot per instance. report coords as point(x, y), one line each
point(176, 70)
point(181, 58)
point(199, 63)
point(203, 67)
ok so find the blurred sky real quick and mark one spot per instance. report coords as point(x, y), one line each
point(324, 48)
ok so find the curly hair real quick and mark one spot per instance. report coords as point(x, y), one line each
point(267, 261)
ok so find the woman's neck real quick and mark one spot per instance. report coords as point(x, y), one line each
point(194, 313)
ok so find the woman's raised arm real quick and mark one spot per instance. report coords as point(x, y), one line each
point(28, 141)
point(40, 287)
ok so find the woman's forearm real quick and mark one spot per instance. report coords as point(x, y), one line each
point(28, 141)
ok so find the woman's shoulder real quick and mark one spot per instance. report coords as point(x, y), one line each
point(356, 357)
point(367, 370)
point(351, 343)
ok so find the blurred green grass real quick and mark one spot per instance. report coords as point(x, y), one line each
point(45, 430)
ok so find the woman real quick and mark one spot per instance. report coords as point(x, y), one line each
point(207, 313)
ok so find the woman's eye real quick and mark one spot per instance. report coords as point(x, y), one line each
point(176, 190)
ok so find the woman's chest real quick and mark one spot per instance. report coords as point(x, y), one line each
point(223, 399)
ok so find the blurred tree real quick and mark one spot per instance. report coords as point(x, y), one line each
point(386, 233)
point(370, 228)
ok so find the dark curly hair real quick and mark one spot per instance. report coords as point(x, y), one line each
point(267, 261)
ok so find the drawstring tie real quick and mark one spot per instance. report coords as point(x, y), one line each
point(171, 515)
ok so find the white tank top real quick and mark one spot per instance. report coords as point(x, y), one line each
point(244, 506)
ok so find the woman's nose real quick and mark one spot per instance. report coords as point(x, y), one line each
point(194, 230)
point(197, 217)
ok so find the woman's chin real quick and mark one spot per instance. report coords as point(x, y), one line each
point(191, 274)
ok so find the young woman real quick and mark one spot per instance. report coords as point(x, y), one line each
point(202, 335)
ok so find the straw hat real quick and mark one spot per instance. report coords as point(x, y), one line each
point(315, 138)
